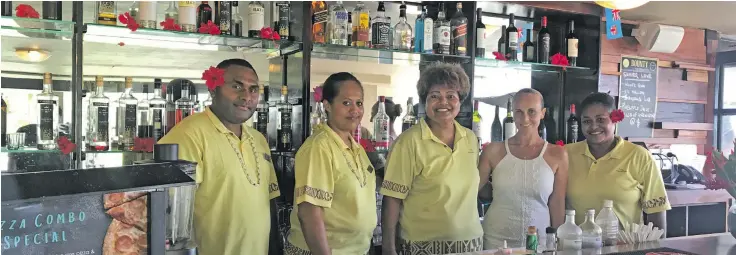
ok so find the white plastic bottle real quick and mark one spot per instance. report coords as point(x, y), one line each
point(570, 236)
point(609, 223)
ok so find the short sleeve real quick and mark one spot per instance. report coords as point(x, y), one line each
point(190, 148)
point(654, 195)
point(314, 176)
point(400, 170)
point(273, 183)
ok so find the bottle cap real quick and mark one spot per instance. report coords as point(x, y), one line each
point(590, 211)
point(382, 99)
point(128, 82)
point(532, 230)
point(608, 203)
point(99, 81)
point(570, 212)
point(550, 230)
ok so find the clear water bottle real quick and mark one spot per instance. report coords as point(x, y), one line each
point(570, 236)
point(609, 223)
point(591, 232)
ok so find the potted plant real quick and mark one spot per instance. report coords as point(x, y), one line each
point(720, 173)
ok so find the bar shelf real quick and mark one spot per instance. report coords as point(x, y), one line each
point(519, 65)
point(36, 28)
point(381, 56)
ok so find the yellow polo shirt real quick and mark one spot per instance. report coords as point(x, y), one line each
point(342, 181)
point(231, 215)
point(627, 175)
point(439, 189)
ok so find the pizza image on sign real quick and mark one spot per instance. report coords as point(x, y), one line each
point(127, 233)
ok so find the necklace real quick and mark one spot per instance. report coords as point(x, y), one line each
point(352, 169)
point(242, 162)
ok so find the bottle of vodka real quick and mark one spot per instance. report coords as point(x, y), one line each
point(47, 129)
point(338, 25)
point(158, 111)
point(570, 235)
point(381, 124)
point(98, 133)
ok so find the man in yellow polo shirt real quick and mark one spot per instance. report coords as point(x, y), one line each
point(235, 175)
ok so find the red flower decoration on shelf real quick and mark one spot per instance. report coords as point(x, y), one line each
point(129, 21)
point(269, 34)
point(560, 143)
point(499, 56)
point(559, 59)
point(26, 11)
point(318, 94)
point(100, 148)
point(214, 77)
point(65, 146)
point(368, 145)
point(170, 24)
point(121, 44)
point(143, 144)
point(617, 116)
point(209, 28)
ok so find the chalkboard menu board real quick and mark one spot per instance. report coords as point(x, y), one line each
point(637, 96)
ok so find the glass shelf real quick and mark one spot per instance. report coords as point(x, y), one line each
point(527, 66)
point(34, 150)
point(184, 40)
point(382, 56)
point(36, 28)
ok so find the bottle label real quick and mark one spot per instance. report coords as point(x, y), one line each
point(530, 53)
point(319, 17)
point(571, 244)
point(284, 13)
point(224, 16)
point(592, 242)
point(130, 120)
point(262, 123)
point(256, 18)
point(443, 36)
point(106, 11)
point(187, 13)
point(480, 38)
point(285, 128)
point(147, 11)
point(363, 26)
point(46, 127)
point(186, 4)
point(572, 132)
point(544, 49)
point(502, 48)
point(341, 17)
point(382, 136)
point(102, 122)
point(158, 124)
point(513, 40)
point(509, 130)
point(572, 48)
point(459, 34)
point(428, 35)
point(381, 31)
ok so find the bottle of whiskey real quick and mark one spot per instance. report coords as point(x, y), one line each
point(188, 16)
point(381, 29)
point(261, 120)
point(410, 118)
point(147, 14)
point(98, 138)
point(107, 13)
point(442, 30)
point(381, 123)
point(284, 125)
point(126, 117)
point(338, 25)
point(459, 24)
point(184, 105)
point(319, 21)
point(158, 111)
point(47, 130)
point(509, 129)
point(402, 32)
point(144, 125)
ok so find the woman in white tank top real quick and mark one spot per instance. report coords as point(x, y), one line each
point(529, 178)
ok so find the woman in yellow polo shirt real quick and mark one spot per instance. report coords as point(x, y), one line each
point(606, 167)
point(431, 181)
point(334, 201)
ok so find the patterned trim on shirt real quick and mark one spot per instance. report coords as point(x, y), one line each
point(395, 187)
point(439, 247)
point(654, 203)
point(314, 192)
point(290, 249)
point(273, 187)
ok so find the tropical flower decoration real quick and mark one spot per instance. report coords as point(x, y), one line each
point(724, 169)
point(318, 94)
point(26, 11)
point(65, 145)
point(617, 115)
point(269, 34)
point(499, 56)
point(560, 143)
point(214, 77)
point(559, 59)
point(209, 28)
point(129, 21)
point(170, 24)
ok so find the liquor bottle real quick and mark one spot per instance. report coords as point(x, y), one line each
point(550, 125)
point(459, 24)
point(496, 128)
point(126, 117)
point(542, 129)
point(261, 120)
point(543, 39)
point(609, 223)
point(4, 122)
point(170, 108)
point(184, 105)
point(256, 18)
point(353, 30)
point(361, 25)
point(317, 116)
point(237, 23)
point(284, 125)
point(172, 12)
point(98, 138)
point(477, 121)
point(381, 124)
point(480, 35)
point(528, 51)
point(572, 127)
point(147, 14)
point(410, 118)
point(569, 234)
point(381, 29)
point(284, 20)
point(402, 31)
point(572, 44)
point(319, 21)
point(7, 10)
point(502, 41)
point(51, 10)
point(107, 13)
point(133, 10)
point(509, 129)
point(143, 115)
point(158, 111)
point(187, 16)
point(592, 233)
point(441, 35)
point(512, 40)
point(47, 130)
point(204, 14)
point(428, 41)
point(419, 31)
point(338, 25)
point(224, 16)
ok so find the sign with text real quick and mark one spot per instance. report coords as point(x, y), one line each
point(637, 96)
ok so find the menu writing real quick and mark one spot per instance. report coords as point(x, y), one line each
point(637, 96)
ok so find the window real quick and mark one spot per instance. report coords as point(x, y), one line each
point(725, 109)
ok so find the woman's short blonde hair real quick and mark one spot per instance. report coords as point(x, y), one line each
point(444, 74)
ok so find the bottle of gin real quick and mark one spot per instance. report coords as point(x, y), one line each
point(158, 111)
point(126, 117)
point(284, 125)
point(47, 130)
point(98, 138)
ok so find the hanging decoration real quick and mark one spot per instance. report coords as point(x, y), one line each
point(613, 24)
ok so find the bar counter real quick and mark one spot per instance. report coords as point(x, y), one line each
point(713, 244)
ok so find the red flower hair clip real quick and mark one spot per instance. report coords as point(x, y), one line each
point(499, 56)
point(617, 115)
point(25, 11)
point(269, 34)
point(318, 94)
point(129, 21)
point(559, 59)
point(560, 143)
point(65, 145)
point(209, 28)
point(214, 77)
point(170, 24)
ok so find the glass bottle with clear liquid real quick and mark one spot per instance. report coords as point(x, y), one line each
point(608, 222)
point(410, 118)
point(317, 116)
point(591, 232)
point(127, 117)
point(172, 12)
point(237, 25)
point(144, 115)
point(338, 25)
point(402, 31)
point(570, 235)
point(184, 106)
point(158, 111)
point(47, 129)
point(98, 131)
point(381, 123)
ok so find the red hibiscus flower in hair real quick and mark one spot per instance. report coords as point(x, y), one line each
point(214, 77)
point(617, 116)
point(129, 21)
point(170, 24)
point(560, 143)
point(559, 59)
point(499, 56)
point(65, 145)
point(318, 94)
point(209, 28)
point(26, 11)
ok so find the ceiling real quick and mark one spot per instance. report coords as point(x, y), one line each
point(714, 15)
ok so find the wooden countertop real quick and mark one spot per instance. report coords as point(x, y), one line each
point(683, 197)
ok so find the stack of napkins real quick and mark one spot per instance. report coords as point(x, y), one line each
point(640, 233)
